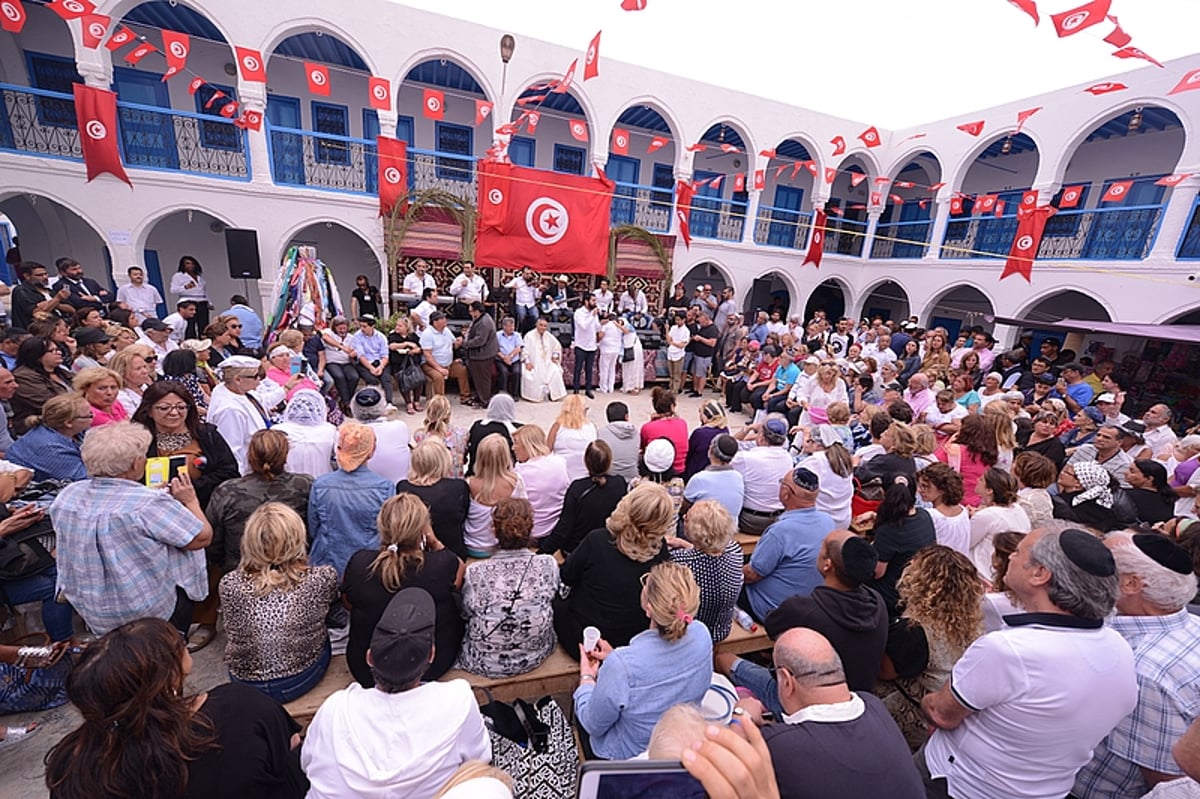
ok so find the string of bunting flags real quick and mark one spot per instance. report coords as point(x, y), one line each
point(1088, 16)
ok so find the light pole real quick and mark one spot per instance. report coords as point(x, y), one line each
point(507, 45)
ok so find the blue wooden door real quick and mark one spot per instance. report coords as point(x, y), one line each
point(706, 208)
point(624, 171)
point(287, 148)
point(154, 278)
point(785, 216)
point(147, 137)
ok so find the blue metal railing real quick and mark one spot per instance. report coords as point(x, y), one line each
point(38, 122)
point(782, 227)
point(648, 207)
point(901, 239)
point(322, 160)
point(845, 236)
point(1189, 241)
point(714, 218)
point(182, 141)
point(1116, 233)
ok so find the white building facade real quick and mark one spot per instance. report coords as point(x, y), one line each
point(309, 175)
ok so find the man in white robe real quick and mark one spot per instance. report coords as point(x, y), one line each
point(542, 366)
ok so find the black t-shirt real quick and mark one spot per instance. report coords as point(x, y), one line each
point(606, 589)
point(369, 597)
point(448, 501)
point(254, 758)
point(312, 349)
point(368, 301)
point(481, 430)
point(1151, 506)
point(896, 543)
point(701, 349)
point(399, 360)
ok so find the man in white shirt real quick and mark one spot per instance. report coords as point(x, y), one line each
point(437, 344)
point(633, 305)
point(467, 288)
point(604, 297)
point(416, 281)
point(526, 297)
point(424, 308)
point(776, 324)
point(1159, 436)
point(139, 296)
point(1026, 705)
point(402, 737)
point(762, 462)
point(185, 310)
point(587, 336)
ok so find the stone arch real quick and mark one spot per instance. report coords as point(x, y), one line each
point(897, 165)
point(1079, 136)
point(659, 107)
point(1099, 307)
point(830, 295)
point(50, 227)
point(723, 276)
point(960, 171)
point(445, 54)
point(121, 8)
point(338, 242)
point(966, 302)
point(895, 307)
point(749, 147)
point(766, 287)
point(297, 25)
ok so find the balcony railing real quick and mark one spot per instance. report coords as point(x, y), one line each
point(1189, 242)
point(1123, 233)
point(845, 236)
point(713, 218)
point(901, 239)
point(782, 227)
point(645, 206)
point(322, 160)
point(38, 122)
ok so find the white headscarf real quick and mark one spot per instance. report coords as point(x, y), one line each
point(306, 407)
point(501, 409)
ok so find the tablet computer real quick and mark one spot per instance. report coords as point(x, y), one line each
point(637, 779)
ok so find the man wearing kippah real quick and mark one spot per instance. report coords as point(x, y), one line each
point(1026, 705)
point(1157, 582)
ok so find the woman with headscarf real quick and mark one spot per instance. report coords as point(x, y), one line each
point(393, 459)
point(1149, 491)
point(1089, 495)
point(236, 412)
point(500, 418)
point(343, 504)
point(712, 424)
point(1087, 424)
point(311, 439)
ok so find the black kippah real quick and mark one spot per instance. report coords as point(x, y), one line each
point(368, 397)
point(1164, 552)
point(1087, 552)
point(859, 559)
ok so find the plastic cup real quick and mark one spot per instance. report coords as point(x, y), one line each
point(591, 637)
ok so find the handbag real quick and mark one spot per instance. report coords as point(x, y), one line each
point(628, 355)
point(28, 688)
point(411, 377)
point(25, 552)
point(867, 496)
point(533, 744)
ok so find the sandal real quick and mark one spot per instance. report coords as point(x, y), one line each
point(410, 409)
point(419, 407)
point(14, 735)
point(202, 637)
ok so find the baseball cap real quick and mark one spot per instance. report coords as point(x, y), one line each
point(153, 324)
point(1107, 396)
point(91, 335)
point(403, 638)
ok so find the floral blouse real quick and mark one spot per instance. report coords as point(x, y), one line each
point(456, 442)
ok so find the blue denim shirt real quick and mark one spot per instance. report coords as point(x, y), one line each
point(50, 454)
point(341, 515)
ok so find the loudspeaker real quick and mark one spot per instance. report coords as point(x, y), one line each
point(242, 248)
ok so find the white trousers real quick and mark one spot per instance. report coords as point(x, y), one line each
point(608, 371)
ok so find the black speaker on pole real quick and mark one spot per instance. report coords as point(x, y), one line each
point(242, 248)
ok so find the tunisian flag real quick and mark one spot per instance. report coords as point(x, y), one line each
point(683, 210)
point(544, 220)
point(1027, 239)
point(816, 245)
point(393, 180)
point(96, 111)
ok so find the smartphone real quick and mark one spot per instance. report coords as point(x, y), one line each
point(637, 779)
point(160, 471)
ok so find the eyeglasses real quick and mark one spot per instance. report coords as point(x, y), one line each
point(84, 418)
point(150, 359)
point(171, 408)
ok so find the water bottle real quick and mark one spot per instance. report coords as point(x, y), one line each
point(744, 620)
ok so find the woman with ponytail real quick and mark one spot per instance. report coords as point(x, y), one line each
point(409, 555)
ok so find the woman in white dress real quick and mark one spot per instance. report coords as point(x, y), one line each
point(610, 355)
point(541, 372)
point(570, 434)
point(829, 460)
point(633, 373)
point(821, 392)
point(311, 439)
point(998, 513)
point(234, 410)
point(942, 488)
point(188, 284)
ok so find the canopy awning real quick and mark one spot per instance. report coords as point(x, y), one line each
point(1188, 334)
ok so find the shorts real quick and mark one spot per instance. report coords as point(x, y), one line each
point(700, 366)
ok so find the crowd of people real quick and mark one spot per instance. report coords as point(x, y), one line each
point(976, 568)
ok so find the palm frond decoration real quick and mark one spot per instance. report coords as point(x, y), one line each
point(396, 225)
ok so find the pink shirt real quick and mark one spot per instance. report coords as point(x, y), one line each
point(281, 377)
point(674, 429)
point(116, 413)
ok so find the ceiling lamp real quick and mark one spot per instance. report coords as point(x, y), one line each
point(1006, 148)
point(1135, 121)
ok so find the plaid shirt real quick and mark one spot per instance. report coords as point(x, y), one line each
point(1165, 651)
point(120, 551)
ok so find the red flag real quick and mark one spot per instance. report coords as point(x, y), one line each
point(699, 184)
point(1187, 83)
point(986, 204)
point(250, 119)
point(767, 153)
point(857, 178)
point(318, 78)
point(1070, 197)
point(876, 198)
point(836, 211)
point(779, 170)
point(1029, 200)
point(93, 27)
point(796, 167)
point(1023, 117)
point(1027, 239)
point(760, 180)
point(1117, 191)
point(176, 47)
point(393, 174)
point(12, 15)
point(633, 5)
point(922, 203)
point(535, 99)
point(936, 187)
point(657, 143)
point(96, 113)
point(1109, 86)
point(567, 79)
point(138, 53)
point(483, 111)
point(729, 148)
point(72, 9)
point(532, 118)
point(228, 110)
point(830, 174)
point(1029, 7)
point(381, 93)
point(739, 182)
point(251, 65)
point(579, 131)
point(1000, 207)
point(1118, 38)
point(545, 220)
point(1079, 19)
point(509, 128)
point(839, 145)
point(591, 61)
point(122, 37)
point(956, 206)
point(972, 128)
point(1173, 180)
point(882, 180)
point(433, 106)
point(195, 85)
point(896, 199)
point(1134, 52)
point(716, 182)
point(904, 184)
point(696, 148)
point(816, 244)
point(869, 137)
point(620, 141)
point(811, 166)
point(683, 210)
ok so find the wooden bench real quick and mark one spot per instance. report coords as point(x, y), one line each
point(559, 674)
point(747, 542)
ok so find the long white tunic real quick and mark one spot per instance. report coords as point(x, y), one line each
point(544, 354)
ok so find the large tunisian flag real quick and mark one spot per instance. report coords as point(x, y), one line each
point(544, 220)
point(96, 110)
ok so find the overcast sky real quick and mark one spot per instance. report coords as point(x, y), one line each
point(893, 63)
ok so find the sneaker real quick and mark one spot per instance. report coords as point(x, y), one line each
point(692, 394)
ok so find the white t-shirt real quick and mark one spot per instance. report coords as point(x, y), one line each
point(677, 338)
point(934, 417)
point(1043, 697)
point(611, 343)
point(587, 325)
point(143, 300)
point(413, 284)
point(953, 531)
point(761, 469)
point(985, 524)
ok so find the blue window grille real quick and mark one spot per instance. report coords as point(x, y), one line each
point(217, 135)
point(569, 159)
point(785, 216)
point(1124, 230)
point(53, 74)
point(147, 136)
point(335, 120)
point(287, 149)
point(1065, 223)
point(706, 207)
point(522, 150)
point(624, 170)
point(1189, 245)
point(664, 178)
point(370, 129)
point(456, 139)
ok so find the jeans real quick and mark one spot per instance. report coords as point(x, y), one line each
point(285, 689)
point(584, 359)
point(526, 318)
point(759, 680)
point(384, 379)
point(56, 618)
point(345, 378)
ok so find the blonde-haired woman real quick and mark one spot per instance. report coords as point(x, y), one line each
point(545, 476)
point(437, 425)
point(275, 598)
point(51, 447)
point(619, 704)
point(715, 559)
point(409, 556)
point(431, 478)
point(494, 480)
point(135, 365)
point(101, 386)
point(1004, 431)
point(604, 572)
point(571, 433)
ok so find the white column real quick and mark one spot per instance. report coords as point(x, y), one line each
point(941, 220)
point(387, 123)
point(252, 96)
point(752, 203)
point(1176, 216)
point(873, 214)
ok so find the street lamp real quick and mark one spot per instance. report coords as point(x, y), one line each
point(507, 45)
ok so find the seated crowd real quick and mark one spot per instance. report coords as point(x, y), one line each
point(976, 577)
